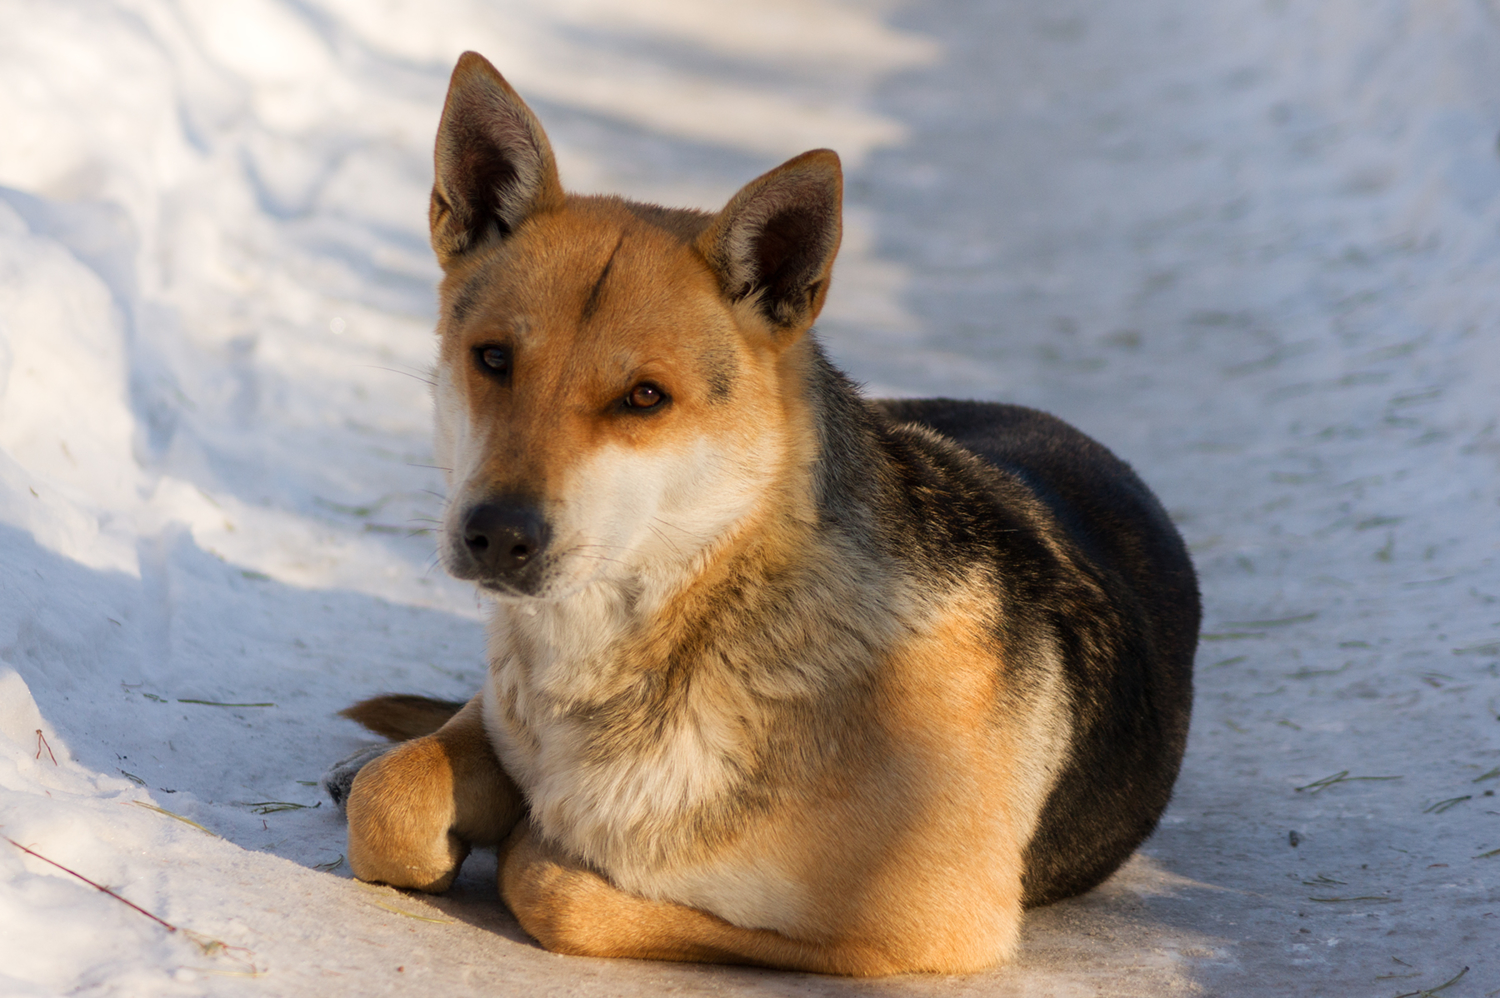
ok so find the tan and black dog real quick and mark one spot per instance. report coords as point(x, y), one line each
point(778, 674)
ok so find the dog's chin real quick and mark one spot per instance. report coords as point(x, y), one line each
point(545, 589)
point(498, 588)
point(503, 592)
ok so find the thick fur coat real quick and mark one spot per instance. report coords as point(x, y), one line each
point(778, 674)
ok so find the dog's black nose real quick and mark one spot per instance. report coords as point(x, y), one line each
point(503, 538)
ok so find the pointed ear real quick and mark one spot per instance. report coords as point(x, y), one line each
point(494, 165)
point(775, 241)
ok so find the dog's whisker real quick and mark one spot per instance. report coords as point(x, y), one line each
point(669, 523)
point(578, 552)
point(394, 370)
point(656, 531)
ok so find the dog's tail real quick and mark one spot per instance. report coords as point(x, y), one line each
point(401, 716)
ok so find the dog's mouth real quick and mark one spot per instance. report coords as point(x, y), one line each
point(522, 581)
point(507, 590)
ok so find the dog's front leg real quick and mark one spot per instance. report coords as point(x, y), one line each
point(569, 908)
point(415, 811)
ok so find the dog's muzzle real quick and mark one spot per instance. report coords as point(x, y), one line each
point(500, 545)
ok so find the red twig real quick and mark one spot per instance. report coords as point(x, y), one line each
point(98, 887)
point(41, 743)
point(208, 946)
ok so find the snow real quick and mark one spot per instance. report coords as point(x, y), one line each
point(1252, 245)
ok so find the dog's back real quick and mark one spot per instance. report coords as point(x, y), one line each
point(1112, 583)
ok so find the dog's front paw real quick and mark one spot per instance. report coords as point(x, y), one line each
point(340, 776)
point(401, 816)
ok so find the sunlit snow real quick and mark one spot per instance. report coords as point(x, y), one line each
point(1252, 245)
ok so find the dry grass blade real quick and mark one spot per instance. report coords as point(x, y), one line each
point(1306, 673)
point(217, 703)
point(1447, 805)
point(420, 918)
point(272, 806)
point(1300, 618)
point(1342, 776)
point(388, 892)
point(1432, 991)
point(216, 972)
point(172, 814)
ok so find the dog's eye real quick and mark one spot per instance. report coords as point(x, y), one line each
point(645, 396)
point(493, 360)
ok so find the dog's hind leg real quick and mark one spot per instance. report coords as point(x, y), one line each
point(569, 908)
point(415, 811)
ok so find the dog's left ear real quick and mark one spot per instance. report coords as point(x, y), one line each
point(775, 241)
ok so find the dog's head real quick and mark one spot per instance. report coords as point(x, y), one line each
point(619, 387)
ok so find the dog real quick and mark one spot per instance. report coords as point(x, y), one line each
point(778, 674)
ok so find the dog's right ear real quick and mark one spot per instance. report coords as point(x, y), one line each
point(493, 164)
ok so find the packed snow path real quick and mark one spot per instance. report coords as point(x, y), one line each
point(1252, 245)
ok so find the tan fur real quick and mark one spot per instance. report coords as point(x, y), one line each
point(854, 807)
point(901, 848)
point(400, 717)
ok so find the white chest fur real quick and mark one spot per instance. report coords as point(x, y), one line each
point(607, 777)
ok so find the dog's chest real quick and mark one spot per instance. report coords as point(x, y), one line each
point(622, 780)
point(637, 809)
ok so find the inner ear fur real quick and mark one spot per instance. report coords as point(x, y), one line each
point(775, 241)
point(493, 165)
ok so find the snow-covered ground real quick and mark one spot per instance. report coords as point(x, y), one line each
point(1252, 245)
